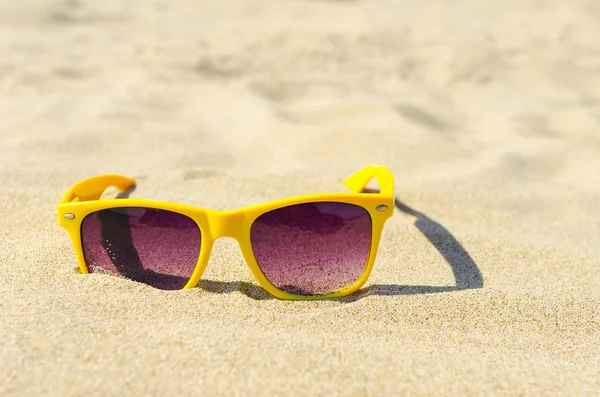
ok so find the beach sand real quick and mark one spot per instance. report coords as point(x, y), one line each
point(487, 280)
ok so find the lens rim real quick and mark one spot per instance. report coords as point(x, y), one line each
point(78, 211)
point(377, 222)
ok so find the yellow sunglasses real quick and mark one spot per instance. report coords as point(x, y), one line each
point(307, 247)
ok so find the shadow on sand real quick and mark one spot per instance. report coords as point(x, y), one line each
point(466, 272)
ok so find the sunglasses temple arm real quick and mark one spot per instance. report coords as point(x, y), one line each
point(359, 180)
point(93, 188)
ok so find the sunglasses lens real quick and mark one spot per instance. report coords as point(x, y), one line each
point(313, 248)
point(155, 247)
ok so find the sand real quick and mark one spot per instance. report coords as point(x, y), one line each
point(487, 280)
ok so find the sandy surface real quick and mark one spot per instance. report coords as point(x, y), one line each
point(488, 276)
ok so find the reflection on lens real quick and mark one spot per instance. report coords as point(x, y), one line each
point(313, 248)
point(156, 247)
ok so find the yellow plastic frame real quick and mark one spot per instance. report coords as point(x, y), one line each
point(84, 198)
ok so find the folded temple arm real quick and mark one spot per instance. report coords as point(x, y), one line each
point(92, 188)
point(359, 180)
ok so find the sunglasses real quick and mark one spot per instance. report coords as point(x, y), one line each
point(307, 247)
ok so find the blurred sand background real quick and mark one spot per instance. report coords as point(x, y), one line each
point(488, 276)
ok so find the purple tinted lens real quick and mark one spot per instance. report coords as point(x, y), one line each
point(313, 248)
point(155, 247)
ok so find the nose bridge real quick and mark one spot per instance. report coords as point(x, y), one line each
point(226, 224)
